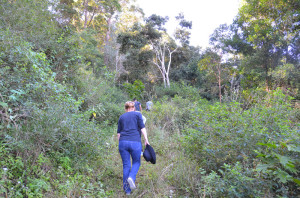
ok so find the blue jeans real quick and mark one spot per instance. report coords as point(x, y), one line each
point(127, 149)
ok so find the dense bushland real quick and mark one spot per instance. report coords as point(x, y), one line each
point(67, 67)
point(47, 141)
point(260, 145)
point(223, 150)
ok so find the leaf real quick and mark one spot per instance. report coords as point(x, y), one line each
point(282, 176)
point(259, 154)
point(267, 144)
point(19, 92)
point(284, 160)
point(294, 148)
point(12, 97)
point(263, 167)
point(4, 105)
point(291, 167)
point(297, 181)
point(12, 117)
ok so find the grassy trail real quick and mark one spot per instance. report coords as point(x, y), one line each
point(151, 179)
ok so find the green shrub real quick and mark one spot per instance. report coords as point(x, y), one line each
point(225, 133)
point(280, 163)
point(230, 133)
point(234, 181)
point(101, 99)
point(178, 89)
point(134, 90)
point(50, 175)
point(171, 116)
point(57, 128)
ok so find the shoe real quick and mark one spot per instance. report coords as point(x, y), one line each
point(128, 193)
point(131, 183)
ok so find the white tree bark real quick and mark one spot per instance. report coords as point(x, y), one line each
point(161, 50)
point(85, 4)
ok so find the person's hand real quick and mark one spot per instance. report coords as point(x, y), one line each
point(146, 142)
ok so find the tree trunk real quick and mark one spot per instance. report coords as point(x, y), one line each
point(86, 2)
point(168, 81)
point(160, 52)
point(267, 80)
point(107, 37)
point(165, 84)
point(219, 81)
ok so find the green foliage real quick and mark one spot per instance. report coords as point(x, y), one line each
point(102, 100)
point(31, 20)
point(136, 65)
point(26, 77)
point(185, 66)
point(40, 116)
point(234, 181)
point(59, 129)
point(59, 104)
point(228, 134)
point(177, 89)
point(172, 116)
point(280, 161)
point(260, 33)
point(237, 180)
point(157, 22)
point(217, 129)
point(11, 168)
point(263, 29)
point(183, 33)
point(88, 50)
point(46, 175)
point(134, 90)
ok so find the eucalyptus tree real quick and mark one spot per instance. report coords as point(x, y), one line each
point(215, 68)
point(163, 45)
point(124, 20)
point(96, 24)
point(149, 45)
point(266, 33)
point(136, 62)
point(95, 13)
point(185, 66)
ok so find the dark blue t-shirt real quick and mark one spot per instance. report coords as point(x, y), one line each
point(130, 125)
point(137, 105)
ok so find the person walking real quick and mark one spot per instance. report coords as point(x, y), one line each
point(138, 108)
point(137, 105)
point(149, 105)
point(130, 127)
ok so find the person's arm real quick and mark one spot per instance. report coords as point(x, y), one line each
point(144, 132)
point(141, 108)
point(119, 129)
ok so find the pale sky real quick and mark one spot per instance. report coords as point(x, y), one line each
point(206, 15)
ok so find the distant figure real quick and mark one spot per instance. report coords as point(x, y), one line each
point(130, 128)
point(138, 108)
point(137, 105)
point(149, 105)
